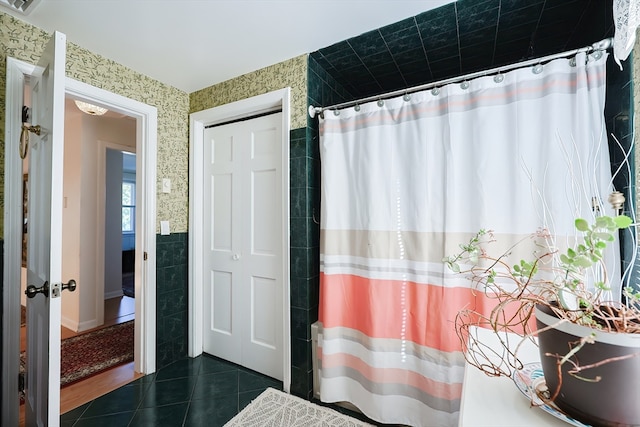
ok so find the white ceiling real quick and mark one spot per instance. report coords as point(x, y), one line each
point(193, 44)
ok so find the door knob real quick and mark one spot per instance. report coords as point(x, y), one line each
point(57, 288)
point(70, 285)
point(33, 290)
point(236, 257)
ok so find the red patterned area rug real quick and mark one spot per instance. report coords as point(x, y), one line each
point(93, 352)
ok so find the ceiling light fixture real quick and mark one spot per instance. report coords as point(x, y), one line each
point(91, 109)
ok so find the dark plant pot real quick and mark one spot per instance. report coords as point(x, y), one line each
point(612, 401)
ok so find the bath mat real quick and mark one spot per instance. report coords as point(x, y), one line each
point(275, 409)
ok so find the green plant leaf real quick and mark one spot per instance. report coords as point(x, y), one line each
point(623, 221)
point(581, 224)
point(582, 261)
point(605, 222)
point(603, 236)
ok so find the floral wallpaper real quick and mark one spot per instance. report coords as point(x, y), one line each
point(291, 73)
point(25, 42)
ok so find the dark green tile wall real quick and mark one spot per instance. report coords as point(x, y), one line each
point(171, 298)
point(462, 37)
point(305, 254)
point(305, 229)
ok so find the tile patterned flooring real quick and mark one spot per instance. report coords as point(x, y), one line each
point(204, 391)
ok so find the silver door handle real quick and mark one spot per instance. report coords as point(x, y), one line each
point(70, 285)
point(33, 290)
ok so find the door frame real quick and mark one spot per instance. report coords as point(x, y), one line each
point(146, 166)
point(146, 163)
point(268, 102)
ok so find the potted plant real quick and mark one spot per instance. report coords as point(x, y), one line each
point(589, 345)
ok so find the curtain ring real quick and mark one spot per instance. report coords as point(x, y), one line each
point(464, 85)
point(406, 97)
point(356, 107)
point(380, 103)
point(435, 91)
point(537, 69)
point(498, 78)
point(572, 61)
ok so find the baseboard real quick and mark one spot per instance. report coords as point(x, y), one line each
point(76, 326)
point(69, 323)
point(89, 324)
point(113, 294)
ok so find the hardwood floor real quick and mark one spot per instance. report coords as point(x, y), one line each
point(116, 310)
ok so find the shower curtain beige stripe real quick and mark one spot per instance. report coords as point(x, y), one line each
point(406, 182)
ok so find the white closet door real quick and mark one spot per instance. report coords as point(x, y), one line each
point(243, 211)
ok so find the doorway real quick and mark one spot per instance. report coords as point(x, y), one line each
point(98, 301)
point(93, 237)
point(198, 262)
point(145, 117)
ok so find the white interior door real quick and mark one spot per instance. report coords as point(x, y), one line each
point(242, 236)
point(44, 257)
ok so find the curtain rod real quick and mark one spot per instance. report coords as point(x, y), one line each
point(601, 45)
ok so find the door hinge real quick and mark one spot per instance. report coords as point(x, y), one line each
point(26, 114)
point(22, 378)
point(145, 256)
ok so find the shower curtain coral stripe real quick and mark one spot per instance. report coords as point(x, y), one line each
point(375, 307)
point(404, 183)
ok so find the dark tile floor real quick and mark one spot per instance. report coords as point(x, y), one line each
point(204, 391)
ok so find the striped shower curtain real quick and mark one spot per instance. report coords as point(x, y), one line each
point(404, 182)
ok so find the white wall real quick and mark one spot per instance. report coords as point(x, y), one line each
point(82, 310)
point(113, 225)
point(71, 301)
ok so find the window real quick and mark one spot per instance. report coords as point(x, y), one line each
point(128, 206)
